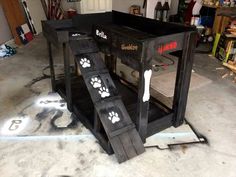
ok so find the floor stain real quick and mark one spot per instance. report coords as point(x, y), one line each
point(80, 155)
point(60, 145)
point(81, 141)
point(82, 162)
point(77, 169)
point(92, 151)
point(184, 148)
point(18, 97)
point(34, 81)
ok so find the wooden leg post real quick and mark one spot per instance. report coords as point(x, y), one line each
point(51, 64)
point(183, 78)
point(143, 101)
point(67, 75)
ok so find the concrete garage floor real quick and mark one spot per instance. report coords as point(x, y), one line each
point(211, 109)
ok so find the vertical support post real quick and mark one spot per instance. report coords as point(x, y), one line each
point(143, 100)
point(183, 78)
point(66, 56)
point(110, 62)
point(51, 64)
point(106, 58)
point(97, 122)
point(114, 62)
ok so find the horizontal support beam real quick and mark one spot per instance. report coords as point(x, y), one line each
point(160, 124)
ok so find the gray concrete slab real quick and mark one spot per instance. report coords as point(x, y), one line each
point(211, 109)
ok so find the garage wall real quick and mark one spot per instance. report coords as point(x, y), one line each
point(151, 4)
point(67, 5)
point(123, 5)
point(174, 7)
point(37, 14)
point(5, 33)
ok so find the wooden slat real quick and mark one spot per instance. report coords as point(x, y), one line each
point(136, 141)
point(122, 130)
point(230, 66)
point(97, 122)
point(227, 11)
point(128, 145)
point(159, 124)
point(220, 23)
point(119, 149)
point(116, 105)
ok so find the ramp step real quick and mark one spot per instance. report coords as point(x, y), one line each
point(127, 146)
point(114, 115)
point(91, 62)
point(83, 46)
point(120, 130)
point(93, 73)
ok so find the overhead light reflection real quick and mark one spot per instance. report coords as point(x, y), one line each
point(51, 102)
point(15, 125)
point(41, 138)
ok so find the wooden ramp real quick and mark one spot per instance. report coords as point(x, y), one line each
point(111, 111)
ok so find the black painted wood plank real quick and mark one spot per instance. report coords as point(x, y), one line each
point(118, 149)
point(122, 130)
point(160, 124)
point(117, 107)
point(129, 148)
point(136, 141)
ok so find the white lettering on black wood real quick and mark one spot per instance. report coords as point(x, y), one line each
point(129, 47)
point(101, 34)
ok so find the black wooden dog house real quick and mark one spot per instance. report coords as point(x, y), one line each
point(119, 115)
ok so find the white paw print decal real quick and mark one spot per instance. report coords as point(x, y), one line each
point(96, 82)
point(104, 92)
point(85, 63)
point(113, 117)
